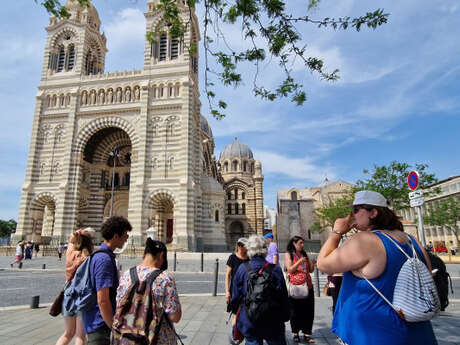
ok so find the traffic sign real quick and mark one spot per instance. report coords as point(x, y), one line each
point(416, 194)
point(417, 202)
point(413, 180)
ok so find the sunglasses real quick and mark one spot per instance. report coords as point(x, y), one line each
point(357, 208)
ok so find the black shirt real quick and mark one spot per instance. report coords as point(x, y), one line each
point(234, 262)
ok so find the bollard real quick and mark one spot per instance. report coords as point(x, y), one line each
point(44, 266)
point(34, 302)
point(20, 264)
point(175, 260)
point(216, 277)
point(202, 262)
point(317, 282)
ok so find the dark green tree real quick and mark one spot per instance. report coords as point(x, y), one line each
point(7, 227)
point(271, 30)
point(326, 215)
point(446, 213)
point(391, 181)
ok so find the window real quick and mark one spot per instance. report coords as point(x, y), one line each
point(235, 165)
point(243, 195)
point(236, 209)
point(70, 57)
point(294, 196)
point(103, 178)
point(174, 48)
point(171, 90)
point(163, 47)
point(216, 216)
point(229, 209)
point(243, 208)
point(236, 194)
point(245, 166)
point(61, 59)
point(116, 180)
point(229, 195)
point(226, 166)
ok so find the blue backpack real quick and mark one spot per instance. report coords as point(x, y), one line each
point(80, 295)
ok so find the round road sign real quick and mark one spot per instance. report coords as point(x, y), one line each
point(413, 180)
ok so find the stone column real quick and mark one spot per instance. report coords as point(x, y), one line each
point(258, 180)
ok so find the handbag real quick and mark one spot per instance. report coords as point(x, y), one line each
point(297, 291)
point(56, 307)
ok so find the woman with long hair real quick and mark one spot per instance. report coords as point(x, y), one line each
point(164, 291)
point(80, 247)
point(361, 315)
point(299, 266)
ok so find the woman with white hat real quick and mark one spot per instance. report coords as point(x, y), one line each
point(362, 316)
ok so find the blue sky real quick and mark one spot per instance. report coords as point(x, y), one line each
point(397, 99)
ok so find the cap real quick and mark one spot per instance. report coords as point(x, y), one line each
point(243, 241)
point(269, 235)
point(369, 197)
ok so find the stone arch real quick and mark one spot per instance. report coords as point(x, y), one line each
point(66, 31)
point(42, 216)
point(104, 122)
point(161, 205)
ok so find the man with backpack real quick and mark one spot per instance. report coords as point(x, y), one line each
point(260, 298)
point(103, 274)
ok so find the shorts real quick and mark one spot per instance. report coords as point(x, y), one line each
point(19, 257)
point(65, 313)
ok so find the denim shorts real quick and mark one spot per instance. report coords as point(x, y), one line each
point(68, 314)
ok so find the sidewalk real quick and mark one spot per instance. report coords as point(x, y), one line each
point(203, 323)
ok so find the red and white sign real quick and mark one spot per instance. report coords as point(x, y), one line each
point(413, 180)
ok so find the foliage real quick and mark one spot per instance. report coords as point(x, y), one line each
point(391, 181)
point(7, 227)
point(327, 214)
point(445, 213)
point(55, 7)
point(271, 30)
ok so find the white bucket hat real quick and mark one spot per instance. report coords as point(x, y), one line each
point(369, 197)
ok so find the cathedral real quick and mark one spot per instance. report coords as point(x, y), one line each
point(133, 144)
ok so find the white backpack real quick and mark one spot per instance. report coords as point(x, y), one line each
point(415, 297)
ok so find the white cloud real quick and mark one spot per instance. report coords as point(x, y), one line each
point(297, 168)
point(126, 29)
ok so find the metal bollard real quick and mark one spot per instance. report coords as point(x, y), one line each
point(20, 264)
point(44, 266)
point(175, 260)
point(202, 262)
point(216, 277)
point(317, 282)
point(34, 302)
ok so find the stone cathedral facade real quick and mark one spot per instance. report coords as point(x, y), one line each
point(133, 144)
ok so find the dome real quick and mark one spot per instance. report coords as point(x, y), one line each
point(204, 124)
point(236, 150)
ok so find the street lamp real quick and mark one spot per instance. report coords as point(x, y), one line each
point(114, 154)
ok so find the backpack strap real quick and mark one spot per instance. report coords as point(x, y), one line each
point(133, 275)
point(414, 253)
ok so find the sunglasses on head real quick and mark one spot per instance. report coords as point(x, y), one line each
point(357, 208)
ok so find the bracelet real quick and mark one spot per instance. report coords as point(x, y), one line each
point(337, 232)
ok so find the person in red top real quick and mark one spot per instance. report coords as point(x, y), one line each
point(299, 267)
point(80, 247)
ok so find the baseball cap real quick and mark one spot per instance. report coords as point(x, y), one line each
point(243, 241)
point(269, 235)
point(369, 197)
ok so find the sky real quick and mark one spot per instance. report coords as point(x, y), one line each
point(397, 98)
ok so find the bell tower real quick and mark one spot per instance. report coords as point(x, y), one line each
point(75, 45)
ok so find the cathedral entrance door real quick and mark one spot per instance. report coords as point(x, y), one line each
point(236, 231)
point(169, 230)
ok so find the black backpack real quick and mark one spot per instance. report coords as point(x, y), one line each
point(441, 279)
point(263, 302)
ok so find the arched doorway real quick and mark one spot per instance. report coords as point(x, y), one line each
point(43, 215)
point(105, 176)
point(161, 218)
point(236, 231)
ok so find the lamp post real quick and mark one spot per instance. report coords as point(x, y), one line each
point(114, 153)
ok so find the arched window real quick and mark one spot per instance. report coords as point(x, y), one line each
point(170, 91)
point(61, 59)
point(243, 195)
point(226, 166)
point(229, 209)
point(229, 195)
point(163, 47)
point(216, 216)
point(294, 196)
point(235, 165)
point(116, 180)
point(243, 208)
point(236, 208)
point(245, 166)
point(127, 179)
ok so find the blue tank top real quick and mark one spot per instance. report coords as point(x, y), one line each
point(362, 317)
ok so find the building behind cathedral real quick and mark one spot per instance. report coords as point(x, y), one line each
point(139, 133)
